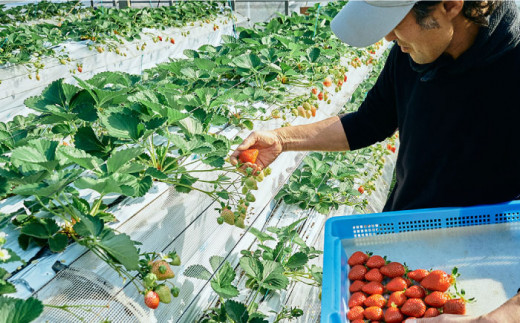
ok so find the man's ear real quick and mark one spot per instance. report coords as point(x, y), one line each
point(452, 7)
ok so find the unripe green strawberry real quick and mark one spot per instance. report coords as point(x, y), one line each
point(175, 291)
point(244, 190)
point(164, 294)
point(306, 106)
point(228, 216)
point(294, 112)
point(250, 197)
point(240, 223)
point(220, 220)
point(176, 260)
point(267, 171)
point(251, 183)
point(260, 177)
point(149, 280)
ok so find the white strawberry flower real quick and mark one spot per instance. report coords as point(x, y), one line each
point(4, 255)
point(165, 257)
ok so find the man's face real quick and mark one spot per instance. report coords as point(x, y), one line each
point(424, 45)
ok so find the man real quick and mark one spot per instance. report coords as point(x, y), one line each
point(449, 87)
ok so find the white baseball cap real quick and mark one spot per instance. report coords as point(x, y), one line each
point(364, 22)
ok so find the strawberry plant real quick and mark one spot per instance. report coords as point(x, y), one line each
point(104, 28)
point(327, 180)
point(267, 269)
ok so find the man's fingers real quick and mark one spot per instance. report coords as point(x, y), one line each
point(233, 159)
point(247, 143)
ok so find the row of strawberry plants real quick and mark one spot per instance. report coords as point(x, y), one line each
point(125, 132)
point(40, 10)
point(103, 28)
point(327, 180)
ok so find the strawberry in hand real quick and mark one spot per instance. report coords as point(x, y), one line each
point(257, 151)
point(248, 156)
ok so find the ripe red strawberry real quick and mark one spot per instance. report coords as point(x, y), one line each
point(375, 262)
point(373, 275)
point(373, 313)
point(320, 96)
point(356, 299)
point(393, 315)
point(431, 312)
point(455, 306)
point(418, 274)
point(397, 298)
point(357, 272)
point(415, 291)
point(355, 313)
point(80, 69)
point(357, 258)
point(393, 269)
point(375, 300)
point(356, 286)
point(361, 189)
point(396, 284)
point(345, 78)
point(436, 299)
point(358, 321)
point(437, 280)
point(172, 40)
point(413, 307)
point(327, 82)
point(160, 38)
point(151, 299)
point(248, 156)
point(393, 149)
point(314, 90)
point(373, 288)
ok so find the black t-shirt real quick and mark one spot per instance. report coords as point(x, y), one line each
point(458, 121)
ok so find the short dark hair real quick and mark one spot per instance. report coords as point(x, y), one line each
point(475, 11)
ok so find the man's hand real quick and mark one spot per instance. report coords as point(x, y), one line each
point(269, 146)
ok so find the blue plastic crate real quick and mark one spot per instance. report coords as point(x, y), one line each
point(396, 225)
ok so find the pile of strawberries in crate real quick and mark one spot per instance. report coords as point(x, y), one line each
point(381, 290)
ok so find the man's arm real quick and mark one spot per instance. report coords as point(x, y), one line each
point(325, 135)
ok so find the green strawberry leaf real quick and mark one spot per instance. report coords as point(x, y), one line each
point(121, 157)
point(88, 225)
point(221, 283)
point(44, 229)
point(215, 262)
point(123, 125)
point(272, 276)
point(6, 288)
point(198, 272)
point(236, 311)
point(262, 236)
point(297, 260)
point(252, 266)
point(79, 157)
point(14, 310)
point(121, 248)
point(58, 242)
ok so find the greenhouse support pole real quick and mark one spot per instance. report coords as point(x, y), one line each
point(286, 7)
point(124, 4)
point(233, 4)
